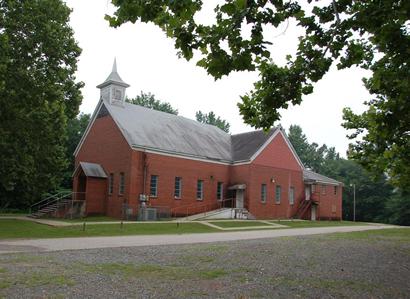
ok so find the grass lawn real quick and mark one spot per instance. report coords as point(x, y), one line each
point(246, 223)
point(323, 223)
point(88, 219)
point(12, 229)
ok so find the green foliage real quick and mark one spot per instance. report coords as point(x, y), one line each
point(75, 130)
point(370, 34)
point(38, 94)
point(376, 200)
point(148, 100)
point(211, 119)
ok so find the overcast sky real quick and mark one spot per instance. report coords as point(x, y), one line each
point(147, 61)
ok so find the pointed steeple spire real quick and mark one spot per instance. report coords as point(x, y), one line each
point(113, 88)
point(113, 78)
point(114, 66)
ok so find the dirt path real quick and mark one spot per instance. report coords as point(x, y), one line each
point(8, 246)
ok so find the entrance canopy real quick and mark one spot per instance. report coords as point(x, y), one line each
point(237, 187)
point(91, 170)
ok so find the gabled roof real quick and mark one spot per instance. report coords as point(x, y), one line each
point(245, 145)
point(151, 129)
point(91, 170)
point(314, 177)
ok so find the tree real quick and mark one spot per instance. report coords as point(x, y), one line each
point(373, 194)
point(211, 119)
point(75, 130)
point(344, 33)
point(38, 94)
point(148, 100)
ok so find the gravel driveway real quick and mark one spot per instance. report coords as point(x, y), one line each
point(320, 266)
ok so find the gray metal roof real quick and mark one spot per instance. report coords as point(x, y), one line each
point(160, 131)
point(309, 175)
point(245, 145)
point(93, 170)
point(113, 78)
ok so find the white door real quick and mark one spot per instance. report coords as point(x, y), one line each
point(239, 199)
point(313, 213)
point(307, 192)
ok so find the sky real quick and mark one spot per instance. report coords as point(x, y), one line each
point(147, 60)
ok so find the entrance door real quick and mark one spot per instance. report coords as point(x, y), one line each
point(313, 213)
point(307, 192)
point(239, 199)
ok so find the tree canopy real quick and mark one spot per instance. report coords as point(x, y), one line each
point(373, 35)
point(148, 100)
point(38, 94)
point(211, 119)
point(377, 200)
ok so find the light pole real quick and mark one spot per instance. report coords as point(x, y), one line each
point(354, 201)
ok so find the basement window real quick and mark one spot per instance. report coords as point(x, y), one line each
point(200, 190)
point(122, 184)
point(153, 187)
point(263, 193)
point(178, 187)
point(219, 191)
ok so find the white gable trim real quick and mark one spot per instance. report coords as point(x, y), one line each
point(259, 151)
point(87, 130)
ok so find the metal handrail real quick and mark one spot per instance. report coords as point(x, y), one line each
point(199, 206)
point(56, 198)
point(49, 197)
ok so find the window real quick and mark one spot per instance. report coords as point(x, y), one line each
point(178, 187)
point(291, 195)
point(200, 190)
point(117, 95)
point(335, 190)
point(313, 188)
point(219, 191)
point(278, 192)
point(263, 193)
point(110, 183)
point(323, 189)
point(153, 187)
point(122, 184)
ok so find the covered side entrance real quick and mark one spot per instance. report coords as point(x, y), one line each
point(90, 183)
point(238, 195)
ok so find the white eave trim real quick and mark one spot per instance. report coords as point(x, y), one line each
point(292, 149)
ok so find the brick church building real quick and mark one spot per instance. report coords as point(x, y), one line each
point(189, 167)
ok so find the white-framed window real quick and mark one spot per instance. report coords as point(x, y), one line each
point(278, 194)
point(110, 183)
point(291, 195)
point(200, 190)
point(313, 188)
point(121, 186)
point(153, 187)
point(178, 187)
point(323, 189)
point(220, 191)
point(263, 193)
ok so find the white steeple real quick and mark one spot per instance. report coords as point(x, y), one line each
point(113, 88)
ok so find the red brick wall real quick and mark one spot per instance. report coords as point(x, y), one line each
point(106, 145)
point(167, 168)
point(282, 177)
point(278, 154)
point(330, 204)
